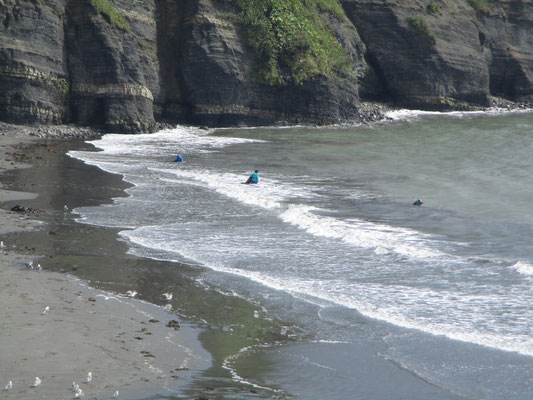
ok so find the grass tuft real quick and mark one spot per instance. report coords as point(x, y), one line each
point(420, 26)
point(113, 16)
point(480, 6)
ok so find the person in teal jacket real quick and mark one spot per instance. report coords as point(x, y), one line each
point(254, 178)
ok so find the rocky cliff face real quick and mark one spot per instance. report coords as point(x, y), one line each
point(188, 61)
point(461, 57)
point(33, 74)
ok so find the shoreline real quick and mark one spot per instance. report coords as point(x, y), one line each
point(218, 321)
point(124, 342)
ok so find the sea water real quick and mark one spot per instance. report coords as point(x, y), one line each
point(330, 240)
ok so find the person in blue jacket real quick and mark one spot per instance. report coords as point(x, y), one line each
point(179, 158)
point(254, 178)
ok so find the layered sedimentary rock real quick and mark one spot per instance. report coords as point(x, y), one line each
point(113, 71)
point(189, 61)
point(33, 74)
point(445, 54)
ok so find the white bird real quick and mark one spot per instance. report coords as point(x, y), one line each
point(131, 293)
point(167, 296)
point(2, 245)
point(75, 387)
point(36, 383)
point(65, 207)
point(8, 386)
point(46, 309)
point(115, 396)
point(78, 394)
point(89, 377)
point(38, 267)
point(30, 264)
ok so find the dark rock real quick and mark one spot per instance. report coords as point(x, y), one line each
point(18, 208)
point(27, 210)
point(173, 324)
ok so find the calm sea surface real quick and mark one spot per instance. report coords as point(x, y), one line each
point(392, 301)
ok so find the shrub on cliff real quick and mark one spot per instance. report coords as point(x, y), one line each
point(480, 6)
point(290, 35)
point(433, 7)
point(113, 16)
point(59, 83)
point(420, 26)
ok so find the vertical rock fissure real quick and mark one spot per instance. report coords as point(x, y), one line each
point(171, 104)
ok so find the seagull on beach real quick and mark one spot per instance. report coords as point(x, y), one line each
point(167, 296)
point(8, 386)
point(79, 394)
point(115, 396)
point(89, 377)
point(36, 383)
point(131, 293)
point(65, 208)
point(45, 311)
point(29, 265)
point(38, 267)
point(2, 245)
point(75, 386)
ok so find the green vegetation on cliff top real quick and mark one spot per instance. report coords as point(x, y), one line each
point(291, 36)
point(113, 16)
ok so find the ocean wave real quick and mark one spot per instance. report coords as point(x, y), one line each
point(405, 114)
point(383, 239)
point(523, 268)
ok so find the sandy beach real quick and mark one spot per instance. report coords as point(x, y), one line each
point(57, 328)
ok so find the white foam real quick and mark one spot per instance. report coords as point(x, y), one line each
point(165, 143)
point(381, 238)
point(270, 193)
point(523, 268)
point(405, 114)
point(228, 362)
point(485, 316)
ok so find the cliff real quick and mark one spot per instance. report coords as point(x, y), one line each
point(128, 64)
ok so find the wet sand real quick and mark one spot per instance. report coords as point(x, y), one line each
point(125, 343)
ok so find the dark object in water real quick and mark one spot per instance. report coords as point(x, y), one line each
point(418, 203)
point(18, 208)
